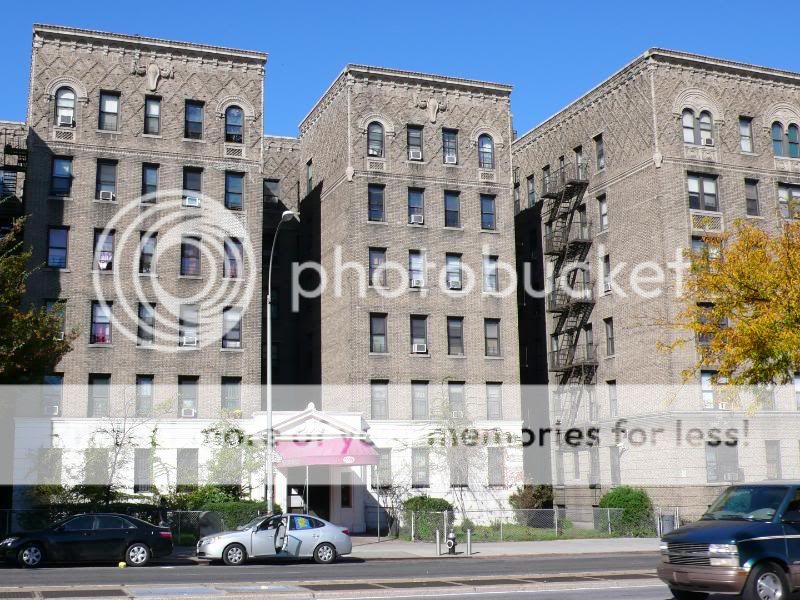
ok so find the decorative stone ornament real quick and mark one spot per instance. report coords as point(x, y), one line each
point(153, 73)
point(432, 105)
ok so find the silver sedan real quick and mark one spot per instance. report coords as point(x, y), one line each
point(278, 536)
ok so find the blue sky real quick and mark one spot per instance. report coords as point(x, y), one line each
point(550, 52)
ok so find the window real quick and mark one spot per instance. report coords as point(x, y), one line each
point(232, 267)
point(103, 250)
point(559, 467)
point(491, 281)
point(612, 398)
point(52, 391)
point(491, 329)
point(450, 146)
point(61, 176)
point(773, 454)
point(188, 325)
point(109, 111)
point(485, 152)
point(607, 273)
point(516, 199)
point(147, 323)
point(419, 334)
point(452, 209)
point(188, 468)
point(416, 269)
point(455, 398)
point(101, 323)
point(65, 107)
point(231, 327)
point(797, 390)
point(309, 177)
point(705, 248)
point(234, 125)
point(707, 390)
point(420, 467)
point(142, 470)
point(414, 136)
point(346, 490)
point(576, 465)
point(487, 212)
point(379, 399)
point(702, 192)
point(234, 190)
point(778, 147)
point(546, 178)
point(494, 401)
point(377, 267)
point(420, 408)
point(697, 130)
point(602, 206)
point(190, 256)
point(376, 202)
point(751, 197)
point(531, 183)
point(144, 395)
point(789, 201)
point(722, 463)
point(193, 120)
point(377, 333)
point(455, 336)
point(609, 327)
point(149, 182)
point(231, 394)
point(459, 470)
point(96, 472)
point(57, 242)
point(416, 206)
point(106, 184)
point(147, 252)
point(793, 139)
point(99, 395)
point(152, 115)
point(600, 151)
point(382, 472)
point(192, 186)
point(375, 140)
point(496, 467)
point(272, 191)
point(746, 134)
point(453, 271)
point(187, 395)
point(58, 309)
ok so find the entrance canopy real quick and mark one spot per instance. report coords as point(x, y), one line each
point(335, 451)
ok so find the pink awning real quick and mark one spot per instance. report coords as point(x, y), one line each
point(336, 451)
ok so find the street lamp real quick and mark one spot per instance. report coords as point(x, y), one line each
point(287, 216)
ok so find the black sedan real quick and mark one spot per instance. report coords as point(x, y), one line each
point(98, 537)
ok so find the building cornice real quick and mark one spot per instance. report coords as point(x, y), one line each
point(104, 41)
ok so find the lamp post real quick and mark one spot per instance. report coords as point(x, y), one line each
point(286, 216)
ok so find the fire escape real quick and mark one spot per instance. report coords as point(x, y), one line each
point(568, 239)
point(14, 161)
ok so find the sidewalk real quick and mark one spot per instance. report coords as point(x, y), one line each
point(371, 548)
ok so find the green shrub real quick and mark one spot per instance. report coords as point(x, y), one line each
point(532, 496)
point(428, 517)
point(427, 503)
point(637, 515)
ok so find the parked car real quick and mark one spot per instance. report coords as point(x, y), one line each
point(96, 537)
point(748, 543)
point(278, 536)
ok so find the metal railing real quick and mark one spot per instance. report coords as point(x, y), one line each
point(571, 174)
point(566, 295)
point(580, 354)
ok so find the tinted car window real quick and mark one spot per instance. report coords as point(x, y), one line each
point(109, 522)
point(80, 523)
point(271, 523)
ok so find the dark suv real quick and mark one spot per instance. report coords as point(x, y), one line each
point(747, 543)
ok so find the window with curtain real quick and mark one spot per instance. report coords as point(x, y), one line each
point(375, 140)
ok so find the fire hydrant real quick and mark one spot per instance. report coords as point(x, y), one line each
point(451, 542)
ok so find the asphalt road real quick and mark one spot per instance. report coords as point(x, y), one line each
point(345, 569)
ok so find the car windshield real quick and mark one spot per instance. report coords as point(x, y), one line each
point(251, 523)
point(747, 503)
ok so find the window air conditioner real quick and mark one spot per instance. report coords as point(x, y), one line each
point(457, 414)
point(52, 410)
point(233, 345)
point(450, 159)
point(189, 340)
point(454, 284)
point(722, 405)
point(188, 413)
point(419, 348)
point(106, 195)
point(193, 201)
point(731, 476)
point(416, 283)
point(415, 154)
point(65, 121)
point(417, 219)
point(708, 142)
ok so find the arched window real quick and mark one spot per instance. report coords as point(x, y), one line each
point(234, 125)
point(687, 120)
point(65, 106)
point(706, 127)
point(375, 139)
point(485, 152)
point(777, 139)
point(793, 140)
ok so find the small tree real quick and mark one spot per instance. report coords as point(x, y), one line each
point(637, 515)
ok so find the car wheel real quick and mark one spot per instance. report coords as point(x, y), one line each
point(30, 556)
point(325, 553)
point(767, 581)
point(137, 555)
point(684, 595)
point(234, 555)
